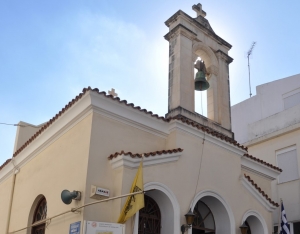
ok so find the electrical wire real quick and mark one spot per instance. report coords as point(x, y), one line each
point(74, 210)
point(201, 157)
point(20, 125)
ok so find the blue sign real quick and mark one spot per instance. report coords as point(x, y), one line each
point(75, 228)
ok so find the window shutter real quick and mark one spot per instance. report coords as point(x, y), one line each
point(288, 162)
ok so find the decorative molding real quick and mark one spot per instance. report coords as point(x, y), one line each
point(180, 29)
point(129, 116)
point(127, 161)
point(70, 118)
point(259, 168)
point(221, 55)
point(89, 103)
point(258, 216)
point(209, 193)
point(257, 195)
point(178, 125)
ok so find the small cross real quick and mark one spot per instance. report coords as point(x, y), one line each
point(112, 92)
point(198, 9)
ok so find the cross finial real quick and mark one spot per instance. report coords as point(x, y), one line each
point(198, 9)
point(112, 92)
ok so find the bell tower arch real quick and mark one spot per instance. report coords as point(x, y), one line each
point(190, 38)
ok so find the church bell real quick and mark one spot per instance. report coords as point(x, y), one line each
point(201, 83)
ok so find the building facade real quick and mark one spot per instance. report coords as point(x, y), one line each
point(190, 161)
point(269, 125)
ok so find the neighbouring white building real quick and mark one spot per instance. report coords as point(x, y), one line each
point(269, 125)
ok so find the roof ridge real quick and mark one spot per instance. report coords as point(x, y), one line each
point(71, 103)
point(263, 162)
point(153, 153)
point(261, 191)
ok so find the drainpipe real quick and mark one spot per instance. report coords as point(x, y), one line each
point(15, 171)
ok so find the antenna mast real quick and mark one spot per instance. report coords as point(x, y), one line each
point(248, 55)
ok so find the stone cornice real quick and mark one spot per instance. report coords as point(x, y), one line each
point(174, 17)
point(221, 55)
point(180, 29)
point(134, 162)
point(259, 168)
point(268, 204)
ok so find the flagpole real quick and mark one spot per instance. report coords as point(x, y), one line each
point(279, 220)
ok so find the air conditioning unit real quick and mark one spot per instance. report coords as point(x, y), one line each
point(99, 193)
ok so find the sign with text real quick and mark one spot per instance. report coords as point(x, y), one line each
point(75, 228)
point(93, 227)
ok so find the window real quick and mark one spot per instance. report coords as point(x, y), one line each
point(288, 162)
point(291, 99)
point(40, 214)
point(296, 227)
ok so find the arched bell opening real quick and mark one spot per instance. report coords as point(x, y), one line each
point(210, 106)
point(200, 96)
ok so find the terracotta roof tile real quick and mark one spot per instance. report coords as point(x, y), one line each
point(263, 162)
point(154, 153)
point(5, 163)
point(209, 131)
point(261, 191)
point(78, 97)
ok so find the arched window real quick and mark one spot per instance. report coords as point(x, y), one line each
point(204, 221)
point(40, 214)
point(149, 217)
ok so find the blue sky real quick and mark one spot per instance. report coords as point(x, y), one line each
point(50, 50)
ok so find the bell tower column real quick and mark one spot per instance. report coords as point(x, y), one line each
point(181, 68)
point(224, 115)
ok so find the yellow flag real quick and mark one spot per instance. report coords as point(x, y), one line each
point(134, 202)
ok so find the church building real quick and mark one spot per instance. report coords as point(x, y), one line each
point(94, 146)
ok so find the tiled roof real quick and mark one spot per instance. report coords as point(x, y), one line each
point(210, 131)
point(261, 191)
point(262, 162)
point(5, 163)
point(78, 97)
point(154, 153)
point(71, 103)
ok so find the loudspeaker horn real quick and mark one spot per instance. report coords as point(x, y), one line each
point(67, 196)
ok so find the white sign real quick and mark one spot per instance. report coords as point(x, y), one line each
point(102, 192)
point(93, 227)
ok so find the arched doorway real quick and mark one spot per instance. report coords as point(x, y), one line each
point(255, 222)
point(149, 217)
point(220, 219)
point(40, 214)
point(204, 221)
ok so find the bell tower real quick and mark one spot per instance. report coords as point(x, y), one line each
point(190, 38)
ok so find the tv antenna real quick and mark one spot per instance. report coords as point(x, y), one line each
point(248, 55)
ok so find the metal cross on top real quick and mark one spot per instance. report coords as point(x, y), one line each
point(198, 9)
point(112, 92)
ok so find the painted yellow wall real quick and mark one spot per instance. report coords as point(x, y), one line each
point(108, 137)
point(5, 191)
point(61, 165)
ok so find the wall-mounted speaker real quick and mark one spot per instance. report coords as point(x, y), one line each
point(67, 196)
